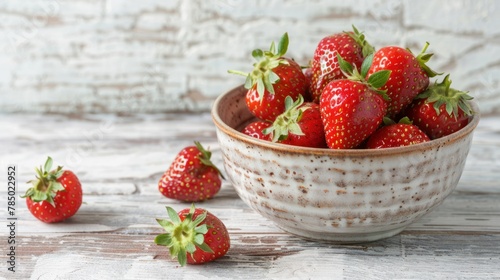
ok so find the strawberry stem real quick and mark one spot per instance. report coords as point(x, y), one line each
point(447, 84)
point(442, 93)
point(288, 121)
point(423, 58)
point(374, 82)
point(237, 72)
point(262, 76)
point(46, 186)
point(359, 37)
point(205, 158)
point(424, 49)
point(184, 236)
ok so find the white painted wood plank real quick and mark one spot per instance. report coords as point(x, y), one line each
point(406, 256)
point(112, 234)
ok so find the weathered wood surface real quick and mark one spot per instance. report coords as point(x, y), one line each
point(119, 160)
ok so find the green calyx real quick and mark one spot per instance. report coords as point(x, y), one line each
point(374, 82)
point(423, 58)
point(359, 37)
point(263, 76)
point(45, 186)
point(205, 158)
point(442, 93)
point(183, 237)
point(405, 120)
point(388, 121)
point(288, 121)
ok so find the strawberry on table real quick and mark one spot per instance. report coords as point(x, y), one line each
point(351, 46)
point(194, 236)
point(403, 133)
point(56, 194)
point(191, 176)
point(299, 125)
point(409, 75)
point(440, 110)
point(273, 78)
point(354, 107)
point(256, 129)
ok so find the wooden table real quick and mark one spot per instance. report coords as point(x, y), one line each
point(120, 159)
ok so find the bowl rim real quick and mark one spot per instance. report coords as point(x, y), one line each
point(466, 130)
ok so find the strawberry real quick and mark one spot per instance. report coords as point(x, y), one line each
point(273, 78)
point(440, 110)
point(351, 46)
point(299, 125)
point(255, 129)
point(403, 133)
point(191, 176)
point(194, 236)
point(353, 108)
point(409, 75)
point(56, 194)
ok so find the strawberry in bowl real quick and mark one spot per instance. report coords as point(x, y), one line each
point(337, 195)
point(372, 179)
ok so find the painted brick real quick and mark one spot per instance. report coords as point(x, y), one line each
point(159, 56)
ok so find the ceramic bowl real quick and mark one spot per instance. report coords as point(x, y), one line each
point(343, 196)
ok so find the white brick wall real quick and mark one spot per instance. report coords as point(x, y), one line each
point(168, 55)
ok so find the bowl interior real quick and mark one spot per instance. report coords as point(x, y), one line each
point(232, 109)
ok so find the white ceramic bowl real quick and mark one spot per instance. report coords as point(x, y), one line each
point(344, 196)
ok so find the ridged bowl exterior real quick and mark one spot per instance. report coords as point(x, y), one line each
point(343, 196)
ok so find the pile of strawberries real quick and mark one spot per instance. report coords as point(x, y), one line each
point(351, 96)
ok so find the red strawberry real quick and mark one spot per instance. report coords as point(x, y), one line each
point(352, 109)
point(409, 75)
point(255, 129)
point(194, 236)
point(191, 176)
point(273, 79)
point(351, 46)
point(56, 194)
point(440, 110)
point(299, 125)
point(403, 133)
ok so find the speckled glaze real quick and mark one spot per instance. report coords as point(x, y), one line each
point(344, 196)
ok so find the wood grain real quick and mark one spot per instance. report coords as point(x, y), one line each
point(119, 160)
